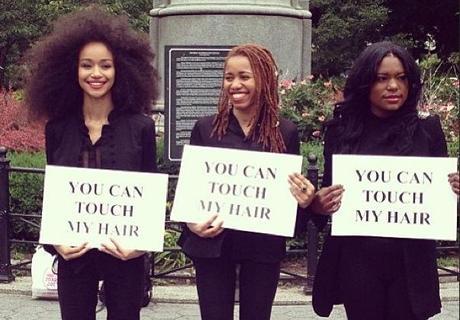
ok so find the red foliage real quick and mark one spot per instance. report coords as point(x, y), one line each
point(16, 131)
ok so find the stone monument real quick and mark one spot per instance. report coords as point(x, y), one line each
point(191, 38)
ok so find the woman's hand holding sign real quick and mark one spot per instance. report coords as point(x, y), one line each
point(72, 252)
point(205, 230)
point(116, 250)
point(454, 182)
point(302, 189)
point(328, 200)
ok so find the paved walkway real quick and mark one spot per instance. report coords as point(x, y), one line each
point(173, 302)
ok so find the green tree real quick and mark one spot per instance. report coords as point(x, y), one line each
point(341, 29)
point(417, 21)
point(22, 22)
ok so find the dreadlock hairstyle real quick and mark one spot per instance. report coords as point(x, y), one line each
point(52, 88)
point(265, 124)
point(349, 115)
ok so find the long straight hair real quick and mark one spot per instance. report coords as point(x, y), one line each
point(349, 114)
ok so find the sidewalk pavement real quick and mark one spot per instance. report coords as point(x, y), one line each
point(180, 302)
point(287, 294)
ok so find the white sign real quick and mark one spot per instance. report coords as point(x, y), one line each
point(93, 205)
point(401, 197)
point(249, 190)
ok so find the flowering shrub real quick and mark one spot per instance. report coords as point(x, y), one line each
point(308, 103)
point(441, 94)
point(16, 131)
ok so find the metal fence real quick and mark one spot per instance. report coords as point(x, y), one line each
point(310, 251)
point(7, 218)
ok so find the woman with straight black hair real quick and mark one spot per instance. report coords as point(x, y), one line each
point(379, 278)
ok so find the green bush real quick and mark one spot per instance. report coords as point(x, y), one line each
point(26, 193)
point(312, 148)
point(308, 104)
point(441, 95)
point(163, 165)
point(168, 260)
point(453, 148)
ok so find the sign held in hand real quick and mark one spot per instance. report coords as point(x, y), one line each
point(247, 189)
point(389, 196)
point(93, 205)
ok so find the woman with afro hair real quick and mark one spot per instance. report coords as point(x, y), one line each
point(92, 79)
point(378, 278)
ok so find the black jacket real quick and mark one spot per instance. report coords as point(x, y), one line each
point(246, 245)
point(126, 143)
point(419, 256)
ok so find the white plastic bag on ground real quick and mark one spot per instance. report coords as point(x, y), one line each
point(44, 275)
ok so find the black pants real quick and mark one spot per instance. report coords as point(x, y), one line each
point(78, 281)
point(374, 284)
point(216, 281)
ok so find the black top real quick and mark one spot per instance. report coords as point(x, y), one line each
point(419, 256)
point(241, 244)
point(126, 143)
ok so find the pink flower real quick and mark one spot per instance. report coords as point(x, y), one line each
point(328, 84)
point(321, 118)
point(305, 115)
point(316, 133)
point(286, 84)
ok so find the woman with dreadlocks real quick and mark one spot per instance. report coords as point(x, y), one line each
point(379, 278)
point(247, 119)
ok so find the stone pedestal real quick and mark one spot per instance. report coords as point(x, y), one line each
point(283, 26)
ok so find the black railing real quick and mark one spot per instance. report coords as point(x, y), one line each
point(6, 274)
point(7, 217)
point(6, 267)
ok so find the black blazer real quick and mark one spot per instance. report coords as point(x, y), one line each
point(127, 143)
point(419, 255)
point(252, 246)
